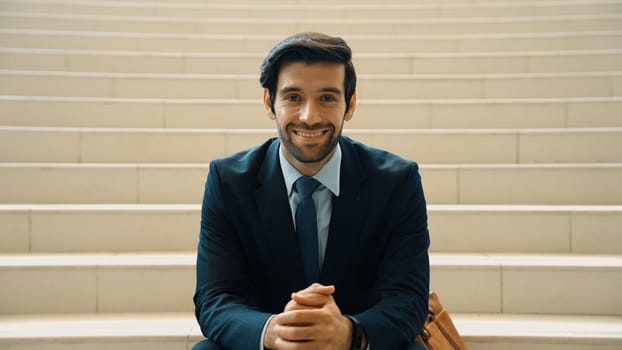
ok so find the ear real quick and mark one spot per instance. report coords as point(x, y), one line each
point(351, 108)
point(268, 104)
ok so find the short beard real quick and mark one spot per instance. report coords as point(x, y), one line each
point(298, 153)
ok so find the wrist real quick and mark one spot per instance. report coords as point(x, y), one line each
point(268, 335)
point(358, 339)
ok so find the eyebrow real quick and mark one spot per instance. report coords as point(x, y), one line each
point(288, 89)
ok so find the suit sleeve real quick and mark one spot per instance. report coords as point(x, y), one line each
point(223, 287)
point(404, 273)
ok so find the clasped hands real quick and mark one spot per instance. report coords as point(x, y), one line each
point(311, 320)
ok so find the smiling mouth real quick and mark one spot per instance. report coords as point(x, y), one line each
point(309, 134)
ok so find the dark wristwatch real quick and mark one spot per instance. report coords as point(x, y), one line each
point(357, 334)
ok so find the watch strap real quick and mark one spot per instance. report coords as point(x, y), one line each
point(357, 334)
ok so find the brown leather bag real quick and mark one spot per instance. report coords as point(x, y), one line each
point(439, 331)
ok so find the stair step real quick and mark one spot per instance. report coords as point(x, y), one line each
point(546, 284)
point(481, 331)
point(97, 283)
point(570, 184)
point(524, 225)
point(178, 331)
point(344, 2)
point(99, 228)
point(543, 284)
point(436, 146)
point(229, 113)
point(453, 228)
point(280, 26)
point(536, 85)
point(507, 229)
point(122, 331)
point(128, 41)
point(167, 330)
point(539, 332)
point(311, 10)
point(366, 63)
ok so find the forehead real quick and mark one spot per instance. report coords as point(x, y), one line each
point(312, 76)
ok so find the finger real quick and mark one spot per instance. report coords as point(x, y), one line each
point(319, 289)
point(302, 317)
point(283, 344)
point(319, 333)
point(311, 299)
point(298, 333)
point(293, 305)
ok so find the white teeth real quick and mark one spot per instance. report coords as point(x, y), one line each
point(308, 134)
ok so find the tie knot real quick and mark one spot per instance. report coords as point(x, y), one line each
point(305, 186)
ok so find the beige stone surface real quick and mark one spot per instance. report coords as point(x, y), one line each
point(537, 87)
point(174, 87)
point(447, 147)
point(46, 22)
point(28, 290)
point(26, 83)
point(480, 289)
point(510, 114)
point(247, 87)
point(113, 230)
point(171, 184)
point(443, 64)
point(562, 291)
point(237, 141)
point(39, 145)
point(225, 114)
point(597, 232)
point(23, 59)
point(152, 146)
point(595, 114)
point(617, 86)
point(99, 344)
point(238, 64)
point(76, 112)
point(440, 184)
point(124, 63)
point(371, 115)
point(375, 87)
point(314, 10)
point(14, 231)
point(572, 146)
point(563, 184)
point(146, 289)
point(382, 65)
point(501, 231)
point(44, 183)
point(594, 62)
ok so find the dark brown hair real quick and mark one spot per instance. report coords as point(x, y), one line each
point(309, 48)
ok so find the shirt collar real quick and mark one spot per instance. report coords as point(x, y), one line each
point(328, 176)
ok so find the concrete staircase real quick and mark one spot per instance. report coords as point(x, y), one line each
point(110, 112)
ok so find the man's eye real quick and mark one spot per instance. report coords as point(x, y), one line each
point(328, 98)
point(292, 98)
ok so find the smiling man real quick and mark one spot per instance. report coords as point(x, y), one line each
point(312, 240)
point(311, 107)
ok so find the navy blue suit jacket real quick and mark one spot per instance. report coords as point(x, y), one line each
point(249, 263)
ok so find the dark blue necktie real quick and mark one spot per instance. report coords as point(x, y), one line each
point(306, 227)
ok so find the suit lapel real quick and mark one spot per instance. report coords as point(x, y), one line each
point(347, 215)
point(276, 218)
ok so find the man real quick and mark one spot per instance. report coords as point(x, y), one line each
point(340, 265)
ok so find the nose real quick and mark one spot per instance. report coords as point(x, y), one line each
point(310, 113)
